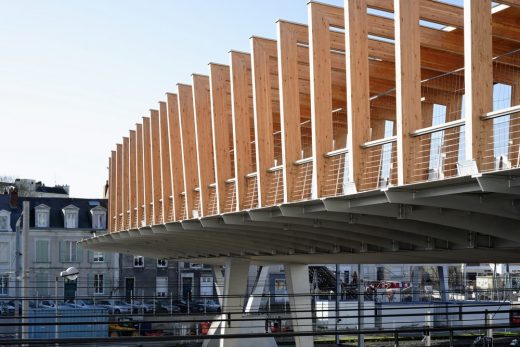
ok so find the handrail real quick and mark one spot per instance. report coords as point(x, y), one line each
point(303, 161)
point(336, 152)
point(275, 168)
point(231, 180)
point(212, 185)
point(435, 128)
point(252, 174)
point(499, 113)
point(379, 142)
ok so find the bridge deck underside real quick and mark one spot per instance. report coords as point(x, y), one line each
point(464, 219)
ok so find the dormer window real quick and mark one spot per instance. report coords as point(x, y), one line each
point(41, 216)
point(5, 220)
point(99, 218)
point(70, 217)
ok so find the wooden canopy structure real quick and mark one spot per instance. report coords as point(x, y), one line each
point(323, 139)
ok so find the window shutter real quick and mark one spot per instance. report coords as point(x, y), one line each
point(79, 253)
point(90, 256)
point(62, 251)
point(90, 283)
point(107, 283)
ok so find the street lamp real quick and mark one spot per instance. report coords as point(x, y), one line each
point(71, 274)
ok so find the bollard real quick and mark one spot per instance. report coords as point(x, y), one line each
point(396, 339)
point(489, 323)
point(427, 324)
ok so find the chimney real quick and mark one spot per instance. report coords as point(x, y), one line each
point(13, 197)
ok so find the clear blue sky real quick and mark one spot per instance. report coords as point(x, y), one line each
point(75, 76)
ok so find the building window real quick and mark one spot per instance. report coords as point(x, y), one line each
point(206, 286)
point(41, 284)
point(161, 286)
point(5, 253)
point(42, 213)
point(162, 263)
point(69, 251)
point(99, 218)
point(70, 216)
point(98, 284)
point(4, 284)
point(41, 251)
point(98, 257)
point(5, 220)
point(138, 261)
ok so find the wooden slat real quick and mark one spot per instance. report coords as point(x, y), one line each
point(166, 179)
point(189, 149)
point(320, 19)
point(176, 162)
point(112, 186)
point(242, 111)
point(132, 180)
point(358, 89)
point(119, 186)
point(156, 167)
point(408, 74)
point(126, 181)
point(262, 52)
point(289, 35)
point(139, 201)
point(147, 172)
point(221, 128)
point(478, 76)
point(204, 139)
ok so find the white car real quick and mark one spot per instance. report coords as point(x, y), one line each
point(115, 306)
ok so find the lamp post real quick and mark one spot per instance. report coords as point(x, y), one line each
point(71, 274)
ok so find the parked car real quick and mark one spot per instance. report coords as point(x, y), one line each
point(7, 308)
point(82, 303)
point(165, 306)
point(46, 304)
point(182, 305)
point(142, 306)
point(206, 306)
point(115, 306)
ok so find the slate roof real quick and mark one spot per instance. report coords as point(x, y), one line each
point(53, 190)
point(56, 213)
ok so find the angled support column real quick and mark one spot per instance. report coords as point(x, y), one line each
point(297, 278)
point(253, 302)
point(478, 77)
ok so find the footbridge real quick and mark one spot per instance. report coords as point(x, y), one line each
point(381, 132)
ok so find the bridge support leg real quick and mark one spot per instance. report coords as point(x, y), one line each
point(231, 290)
point(297, 278)
point(235, 286)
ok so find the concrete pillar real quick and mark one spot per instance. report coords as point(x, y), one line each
point(297, 279)
point(235, 286)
